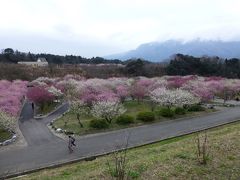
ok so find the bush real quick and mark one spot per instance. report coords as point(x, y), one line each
point(147, 116)
point(196, 107)
point(166, 112)
point(68, 132)
point(180, 111)
point(125, 119)
point(99, 124)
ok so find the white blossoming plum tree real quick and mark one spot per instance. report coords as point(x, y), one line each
point(7, 122)
point(107, 109)
point(79, 108)
point(176, 97)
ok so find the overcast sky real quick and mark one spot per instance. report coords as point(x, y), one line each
point(102, 27)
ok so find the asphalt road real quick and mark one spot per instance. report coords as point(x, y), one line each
point(45, 149)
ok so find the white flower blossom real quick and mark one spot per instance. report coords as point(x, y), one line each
point(178, 97)
point(107, 110)
point(56, 92)
point(78, 107)
point(7, 122)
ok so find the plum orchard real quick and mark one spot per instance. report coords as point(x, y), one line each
point(11, 99)
point(103, 98)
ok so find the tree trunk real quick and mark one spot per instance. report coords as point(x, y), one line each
point(79, 121)
point(153, 105)
point(109, 120)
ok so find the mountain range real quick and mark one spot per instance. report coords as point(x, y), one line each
point(160, 51)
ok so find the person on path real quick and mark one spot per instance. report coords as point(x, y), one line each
point(32, 106)
point(71, 143)
point(73, 140)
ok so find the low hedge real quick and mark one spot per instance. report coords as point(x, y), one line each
point(125, 119)
point(196, 107)
point(146, 116)
point(166, 112)
point(180, 111)
point(99, 124)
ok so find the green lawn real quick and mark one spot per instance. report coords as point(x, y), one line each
point(69, 121)
point(47, 108)
point(4, 135)
point(133, 107)
point(169, 159)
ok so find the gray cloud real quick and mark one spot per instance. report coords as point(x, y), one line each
point(96, 28)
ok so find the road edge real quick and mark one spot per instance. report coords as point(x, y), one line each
point(92, 157)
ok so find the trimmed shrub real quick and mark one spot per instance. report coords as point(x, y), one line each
point(99, 124)
point(166, 112)
point(68, 132)
point(125, 119)
point(180, 111)
point(196, 107)
point(146, 116)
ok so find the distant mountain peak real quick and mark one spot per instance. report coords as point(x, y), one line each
point(159, 51)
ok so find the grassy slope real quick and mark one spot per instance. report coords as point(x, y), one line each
point(169, 159)
point(4, 135)
point(47, 108)
point(132, 109)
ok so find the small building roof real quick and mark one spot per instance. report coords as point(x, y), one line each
point(41, 59)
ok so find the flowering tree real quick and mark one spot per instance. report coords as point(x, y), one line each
point(89, 95)
point(178, 97)
point(229, 90)
point(203, 93)
point(107, 96)
point(78, 108)
point(141, 88)
point(138, 92)
point(122, 92)
point(7, 122)
point(70, 89)
point(45, 80)
point(214, 86)
point(107, 110)
point(11, 95)
point(39, 95)
point(4, 84)
point(71, 76)
point(57, 93)
point(177, 81)
point(200, 89)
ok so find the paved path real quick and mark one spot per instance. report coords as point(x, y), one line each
point(45, 149)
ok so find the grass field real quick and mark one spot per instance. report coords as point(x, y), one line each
point(4, 135)
point(47, 108)
point(170, 159)
point(133, 108)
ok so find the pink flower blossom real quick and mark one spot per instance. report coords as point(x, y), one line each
point(39, 95)
point(11, 96)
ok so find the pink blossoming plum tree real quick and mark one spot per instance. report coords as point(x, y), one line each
point(122, 92)
point(40, 96)
point(11, 98)
point(12, 95)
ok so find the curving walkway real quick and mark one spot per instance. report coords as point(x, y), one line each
point(45, 149)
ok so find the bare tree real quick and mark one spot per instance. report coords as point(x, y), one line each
point(202, 147)
point(118, 167)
